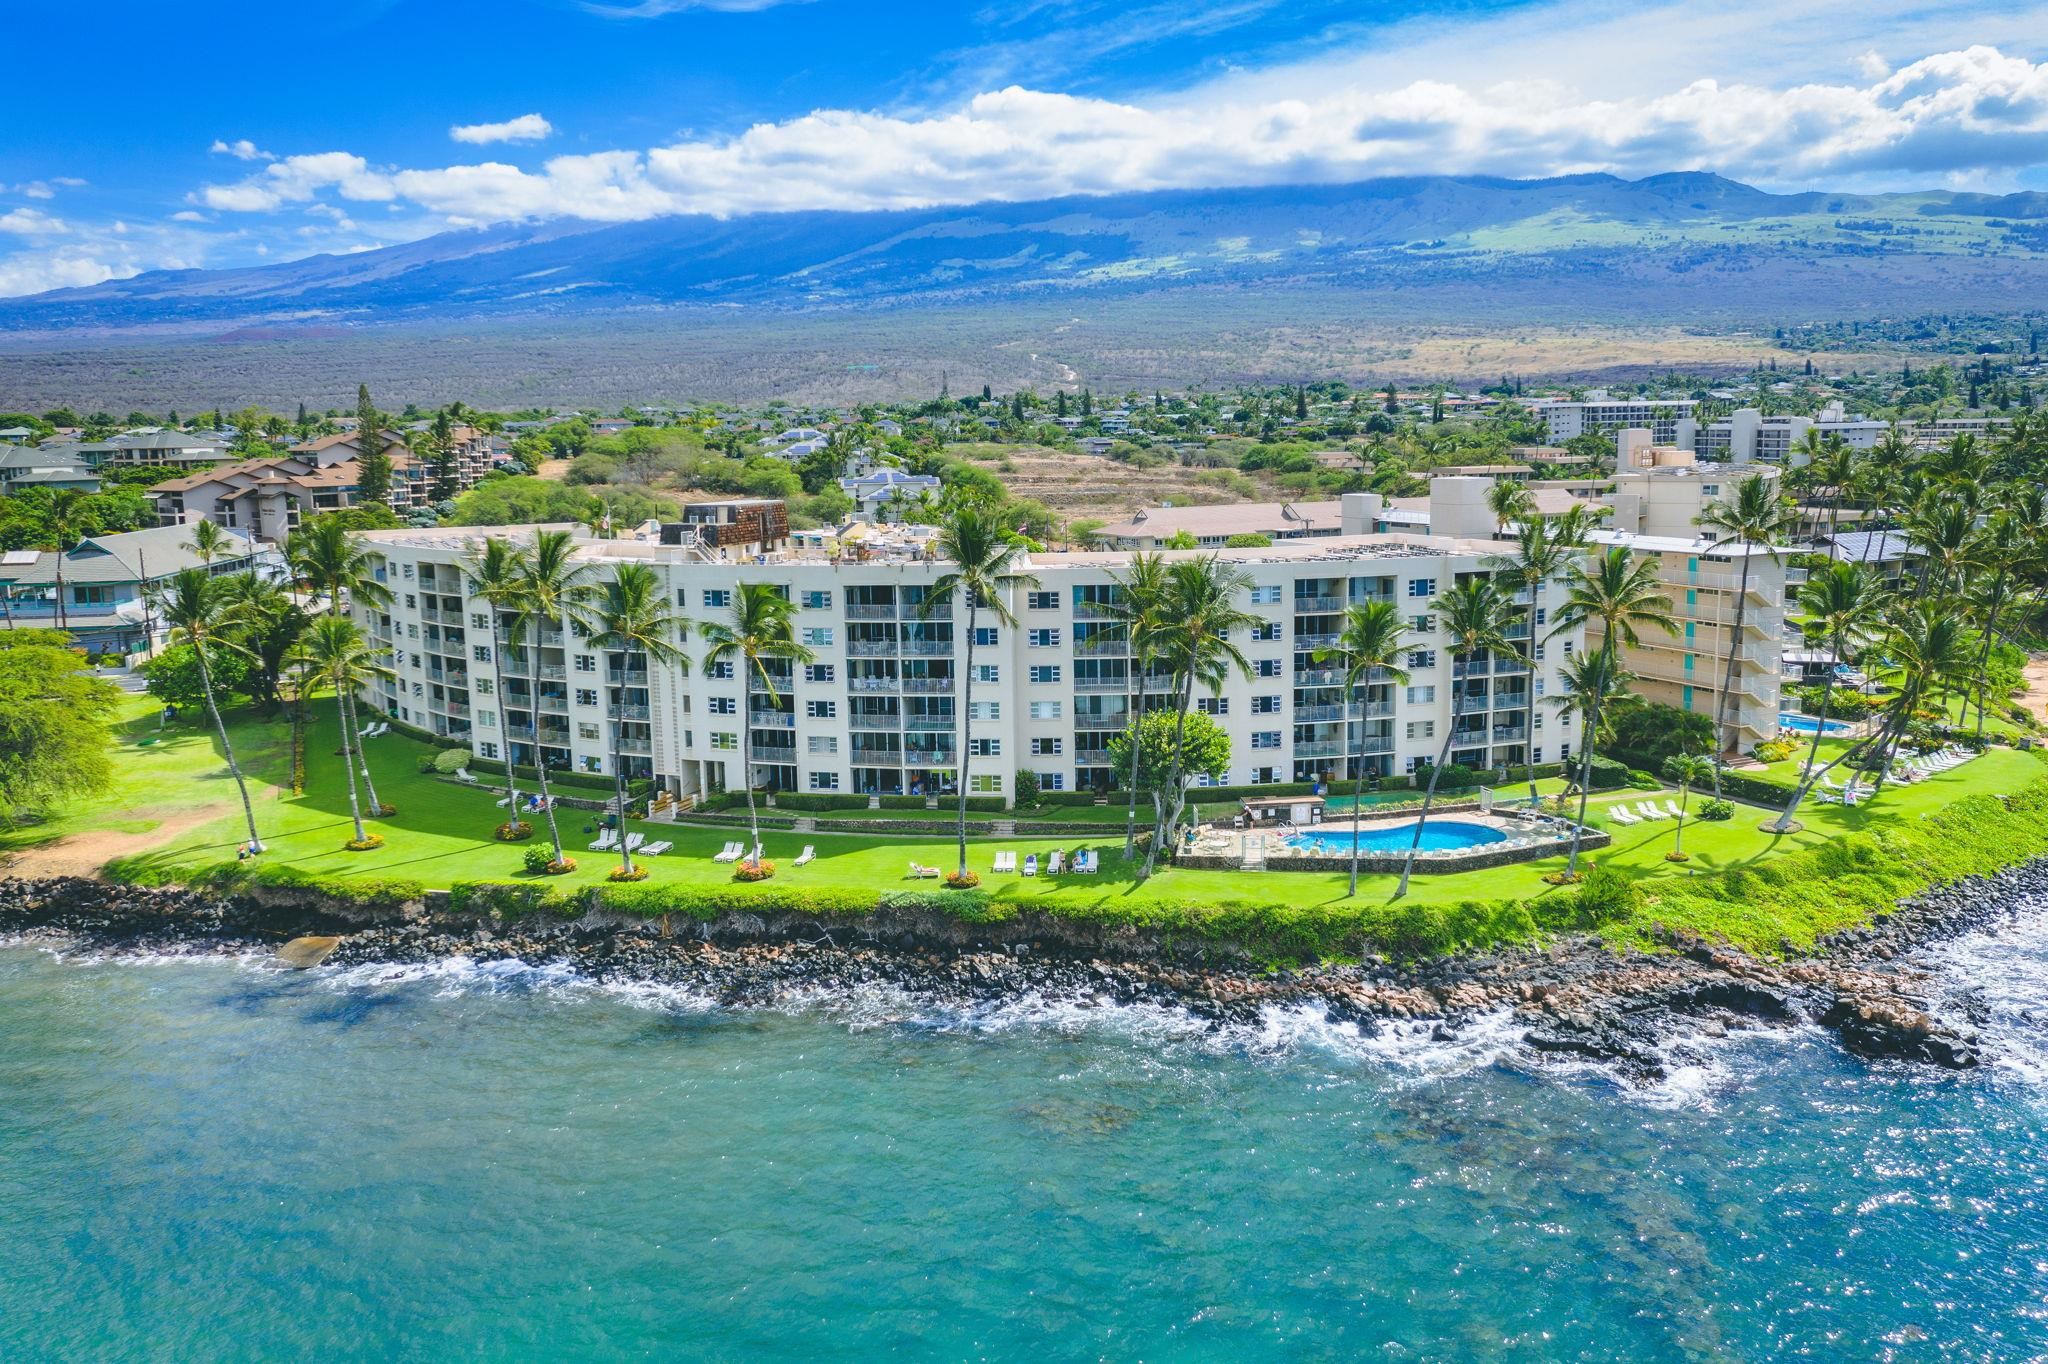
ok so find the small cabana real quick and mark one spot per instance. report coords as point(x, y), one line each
point(1300, 810)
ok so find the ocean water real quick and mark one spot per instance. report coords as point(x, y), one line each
point(203, 1159)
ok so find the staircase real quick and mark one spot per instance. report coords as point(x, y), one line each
point(1003, 828)
point(804, 825)
point(1254, 858)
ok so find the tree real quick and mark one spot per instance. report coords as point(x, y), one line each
point(549, 594)
point(1249, 539)
point(336, 648)
point(1545, 549)
point(193, 603)
point(172, 677)
point(208, 542)
point(373, 461)
point(1688, 770)
point(1368, 648)
point(1928, 646)
point(442, 456)
point(1510, 502)
point(494, 572)
point(1203, 747)
point(1474, 616)
point(630, 615)
point(1755, 519)
point(324, 557)
point(759, 629)
point(1139, 604)
point(54, 724)
point(1622, 596)
point(1201, 615)
point(984, 560)
point(1844, 605)
point(267, 623)
point(66, 518)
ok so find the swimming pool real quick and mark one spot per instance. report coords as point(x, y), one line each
point(1438, 835)
point(1804, 724)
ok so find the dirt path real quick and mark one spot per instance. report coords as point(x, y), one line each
point(2036, 677)
point(83, 854)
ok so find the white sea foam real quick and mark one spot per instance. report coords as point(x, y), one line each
point(1999, 976)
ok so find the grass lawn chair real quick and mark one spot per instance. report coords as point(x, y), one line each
point(806, 857)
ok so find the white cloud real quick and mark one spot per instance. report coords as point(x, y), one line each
point(34, 272)
point(525, 128)
point(188, 216)
point(31, 222)
point(655, 9)
point(242, 149)
point(1974, 111)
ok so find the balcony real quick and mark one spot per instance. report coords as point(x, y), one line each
point(1321, 748)
point(1308, 644)
point(1374, 710)
point(939, 611)
point(1374, 743)
point(456, 710)
point(1108, 722)
point(550, 637)
point(890, 723)
point(1094, 610)
point(642, 747)
point(1317, 677)
point(1097, 685)
point(872, 684)
point(626, 677)
point(632, 712)
point(870, 611)
point(1312, 714)
point(1471, 705)
point(871, 648)
point(928, 648)
point(930, 724)
point(927, 685)
point(771, 719)
point(550, 672)
point(1319, 606)
point(554, 705)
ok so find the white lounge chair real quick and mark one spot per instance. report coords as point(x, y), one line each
point(1005, 861)
point(633, 841)
point(464, 775)
point(729, 853)
point(1671, 808)
point(807, 856)
point(655, 849)
point(922, 873)
point(1056, 865)
point(606, 841)
point(1088, 863)
point(1648, 810)
point(1620, 815)
point(1031, 864)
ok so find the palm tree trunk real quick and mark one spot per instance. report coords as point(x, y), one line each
point(227, 747)
point(60, 584)
point(348, 763)
point(1137, 718)
point(1728, 674)
point(1443, 756)
point(1684, 802)
point(1169, 810)
point(377, 806)
point(746, 780)
point(619, 798)
point(1807, 777)
point(1984, 659)
point(1357, 814)
point(966, 729)
point(504, 725)
point(540, 762)
point(1571, 866)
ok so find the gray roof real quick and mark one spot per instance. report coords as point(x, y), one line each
point(29, 478)
point(1880, 546)
point(122, 558)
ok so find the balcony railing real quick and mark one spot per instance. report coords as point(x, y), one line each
point(930, 724)
point(1318, 606)
point(939, 611)
point(870, 611)
point(1112, 722)
point(1510, 734)
point(871, 722)
point(871, 648)
point(1097, 685)
point(1310, 714)
point(633, 713)
point(872, 684)
point(771, 719)
point(555, 705)
point(928, 648)
point(1317, 677)
point(927, 684)
point(642, 747)
point(1471, 705)
point(1321, 748)
point(1100, 645)
point(1308, 644)
point(551, 672)
point(1094, 610)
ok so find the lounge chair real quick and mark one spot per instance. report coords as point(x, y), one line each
point(464, 775)
point(634, 841)
point(606, 841)
point(1088, 863)
point(922, 873)
point(1620, 815)
point(1005, 861)
point(1056, 865)
point(808, 855)
point(1671, 808)
point(655, 849)
point(1031, 864)
point(1648, 810)
point(729, 853)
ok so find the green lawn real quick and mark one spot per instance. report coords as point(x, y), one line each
point(442, 834)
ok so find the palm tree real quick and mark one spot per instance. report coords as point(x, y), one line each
point(1475, 616)
point(1928, 647)
point(1756, 518)
point(1545, 547)
point(1140, 604)
point(208, 542)
point(322, 555)
point(1592, 686)
point(1368, 647)
point(68, 516)
point(1942, 527)
point(337, 648)
point(193, 603)
point(494, 572)
point(1510, 502)
point(1688, 770)
point(1622, 596)
point(2000, 547)
point(548, 593)
point(985, 564)
point(758, 629)
point(1202, 613)
point(631, 615)
point(1844, 604)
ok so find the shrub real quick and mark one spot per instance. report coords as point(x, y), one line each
point(425, 763)
point(814, 800)
point(963, 880)
point(1028, 793)
point(536, 859)
point(1644, 781)
point(1605, 773)
point(1711, 808)
point(1605, 896)
point(1775, 750)
point(638, 873)
point(753, 871)
point(512, 830)
point(451, 760)
point(1644, 736)
point(367, 843)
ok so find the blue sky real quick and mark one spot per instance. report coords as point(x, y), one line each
point(230, 134)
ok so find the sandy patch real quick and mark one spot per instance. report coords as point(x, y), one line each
point(2036, 677)
point(83, 854)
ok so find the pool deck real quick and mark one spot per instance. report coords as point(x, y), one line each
point(1222, 842)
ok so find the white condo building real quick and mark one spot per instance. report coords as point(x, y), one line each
point(881, 709)
point(1670, 421)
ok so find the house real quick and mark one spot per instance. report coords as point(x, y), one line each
point(23, 466)
point(873, 492)
point(104, 579)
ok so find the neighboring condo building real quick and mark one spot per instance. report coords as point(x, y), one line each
point(1747, 436)
point(1670, 421)
point(881, 710)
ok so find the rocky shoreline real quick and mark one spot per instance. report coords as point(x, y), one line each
point(1575, 998)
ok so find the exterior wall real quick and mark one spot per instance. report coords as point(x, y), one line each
point(1563, 420)
point(888, 715)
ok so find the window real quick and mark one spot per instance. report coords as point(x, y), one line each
point(1045, 748)
point(480, 654)
point(1265, 705)
point(1052, 781)
point(821, 710)
point(1042, 639)
point(1265, 738)
point(412, 631)
point(1564, 753)
point(1268, 667)
point(985, 710)
point(1422, 658)
point(817, 601)
point(818, 672)
point(1045, 672)
point(1266, 596)
point(818, 636)
point(1422, 587)
point(1266, 630)
point(1213, 705)
point(586, 730)
point(410, 599)
point(986, 636)
point(1265, 776)
point(824, 743)
point(483, 686)
point(1422, 729)
point(1541, 613)
point(717, 597)
point(723, 705)
point(488, 719)
point(488, 750)
point(586, 696)
point(985, 783)
point(824, 781)
point(987, 672)
point(479, 621)
point(718, 672)
point(586, 663)
point(1045, 710)
point(1042, 601)
point(1422, 624)
point(1421, 696)
point(985, 748)
point(724, 739)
